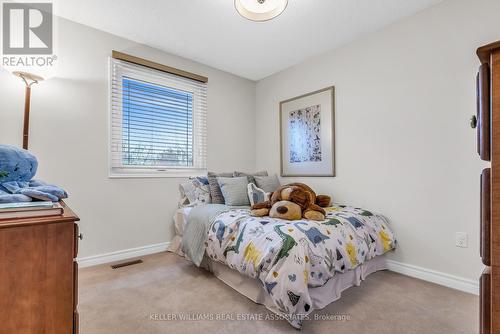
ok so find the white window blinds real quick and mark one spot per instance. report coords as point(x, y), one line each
point(158, 122)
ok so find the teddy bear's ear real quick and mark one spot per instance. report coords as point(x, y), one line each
point(301, 197)
point(306, 188)
point(314, 212)
point(317, 208)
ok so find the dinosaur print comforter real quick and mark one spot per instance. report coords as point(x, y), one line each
point(289, 257)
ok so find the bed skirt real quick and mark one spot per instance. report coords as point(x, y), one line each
point(321, 296)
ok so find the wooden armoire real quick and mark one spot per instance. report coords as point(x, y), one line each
point(488, 139)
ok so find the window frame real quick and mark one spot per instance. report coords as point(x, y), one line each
point(125, 171)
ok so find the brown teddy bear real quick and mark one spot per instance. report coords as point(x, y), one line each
point(293, 202)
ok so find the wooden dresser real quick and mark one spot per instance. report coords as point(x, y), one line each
point(39, 275)
point(488, 135)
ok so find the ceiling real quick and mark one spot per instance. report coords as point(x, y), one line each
point(212, 32)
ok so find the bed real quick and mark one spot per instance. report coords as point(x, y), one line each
point(291, 267)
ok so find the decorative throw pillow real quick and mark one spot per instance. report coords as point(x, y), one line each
point(201, 190)
point(215, 192)
point(256, 195)
point(267, 183)
point(186, 191)
point(234, 190)
point(251, 178)
point(194, 192)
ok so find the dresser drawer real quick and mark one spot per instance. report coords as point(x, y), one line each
point(483, 112)
point(484, 242)
point(485, 302)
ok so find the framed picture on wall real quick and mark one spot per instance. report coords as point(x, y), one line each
point(307, 134)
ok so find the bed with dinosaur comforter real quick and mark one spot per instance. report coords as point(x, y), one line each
point(291, 257)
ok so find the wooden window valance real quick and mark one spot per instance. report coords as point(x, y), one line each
point(159, 67)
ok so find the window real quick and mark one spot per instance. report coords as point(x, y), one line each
point(158, 122)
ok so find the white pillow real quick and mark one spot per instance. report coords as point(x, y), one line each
point(194, 192)
point(256, 195)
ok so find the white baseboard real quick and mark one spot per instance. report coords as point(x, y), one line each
point(121, 255)
point(450, 281)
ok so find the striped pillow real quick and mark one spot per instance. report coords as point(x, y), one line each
point(267, 183)
point(234, 190)
point(215, 192)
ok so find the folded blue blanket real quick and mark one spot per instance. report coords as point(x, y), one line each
point(17, 168)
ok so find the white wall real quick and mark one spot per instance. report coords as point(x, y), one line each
point(404, 146)
point(404, 96)
point(69, 129)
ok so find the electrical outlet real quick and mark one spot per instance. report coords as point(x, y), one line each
point(461, 239)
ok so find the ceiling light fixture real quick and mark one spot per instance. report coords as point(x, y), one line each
point(260, 10)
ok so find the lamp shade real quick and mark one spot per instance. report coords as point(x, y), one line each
point(29, 78)
point(260, 10)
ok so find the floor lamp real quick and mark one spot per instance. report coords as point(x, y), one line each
point(29, 79)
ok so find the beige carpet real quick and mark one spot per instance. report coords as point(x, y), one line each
point(123, 301)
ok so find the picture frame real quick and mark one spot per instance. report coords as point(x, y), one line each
point(307, 134)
